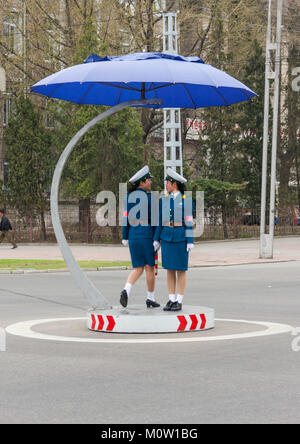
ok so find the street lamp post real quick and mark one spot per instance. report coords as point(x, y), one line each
point(2, 93)
point(267, 240)
point(24, 46)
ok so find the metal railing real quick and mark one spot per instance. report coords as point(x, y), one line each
point(82, 227)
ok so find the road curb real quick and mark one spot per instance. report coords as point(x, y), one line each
point(65, 270)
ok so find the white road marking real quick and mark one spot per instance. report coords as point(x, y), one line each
point(24, 329)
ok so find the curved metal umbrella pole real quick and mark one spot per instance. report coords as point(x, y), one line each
point(93, 295)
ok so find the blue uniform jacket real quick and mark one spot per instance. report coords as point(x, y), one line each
point(175, 211)
point(137, 216)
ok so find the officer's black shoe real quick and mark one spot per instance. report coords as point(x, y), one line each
point(168, 306)
point(176, 306)
point(124, 298)
point(152, 304)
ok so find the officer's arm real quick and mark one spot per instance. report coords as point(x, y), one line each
point(189, 221)
point(126, 226)
point(159, 227)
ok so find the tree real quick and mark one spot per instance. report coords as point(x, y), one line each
point(107, 155)
point(28, 152)
point(219, 196)
point(217, 154)
point(238, 22)
point(115, 141)
point(217, 192)
point(241, 22)
point(41, 35)
point(289, 169)
point(88, 43)
point(251, 127)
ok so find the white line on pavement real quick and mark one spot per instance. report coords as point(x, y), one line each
point(25, 329)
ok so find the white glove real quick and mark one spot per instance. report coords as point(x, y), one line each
point(189, 247)
point(156, 245)
point(125, 242)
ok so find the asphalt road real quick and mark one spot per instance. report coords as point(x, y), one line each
point(253, 380)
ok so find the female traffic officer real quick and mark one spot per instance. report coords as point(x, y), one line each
point(175, 234)
point(138, 233)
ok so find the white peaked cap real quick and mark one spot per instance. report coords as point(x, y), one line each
point(141, 175)
point(175, 176)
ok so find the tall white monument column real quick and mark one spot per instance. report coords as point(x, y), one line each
point(172, 117)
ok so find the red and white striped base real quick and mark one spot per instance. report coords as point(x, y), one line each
point(137, 319)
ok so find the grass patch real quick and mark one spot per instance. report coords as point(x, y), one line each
point(23, 264)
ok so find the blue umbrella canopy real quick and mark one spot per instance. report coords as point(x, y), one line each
point(181, 82)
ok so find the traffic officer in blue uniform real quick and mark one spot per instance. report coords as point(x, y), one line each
point(175, 236)
point(138, 234)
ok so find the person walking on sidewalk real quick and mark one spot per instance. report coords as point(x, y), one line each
point(6, 230)
point(138, 235)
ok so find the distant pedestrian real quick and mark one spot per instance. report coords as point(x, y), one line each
point(6, 230)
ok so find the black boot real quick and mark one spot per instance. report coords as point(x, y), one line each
point(152, 304)
point(124, 298)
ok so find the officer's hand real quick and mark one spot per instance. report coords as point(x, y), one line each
point(156, 245)
point(189, 247)
point(125, 242)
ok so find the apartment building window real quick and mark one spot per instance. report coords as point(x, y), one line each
point(12, 34)
point(160, 5)
point(6, 110)
point(52, 42)
point(126, 38)
point(5, 174)
point(50, 121)
point(158, 130)
point(52, 47)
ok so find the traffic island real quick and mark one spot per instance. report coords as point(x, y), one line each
point(137, 319)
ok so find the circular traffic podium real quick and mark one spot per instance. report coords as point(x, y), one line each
point(139, 319)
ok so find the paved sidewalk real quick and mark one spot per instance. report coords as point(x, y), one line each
point(212, 253)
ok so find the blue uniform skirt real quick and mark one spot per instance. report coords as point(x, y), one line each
point(174, 255)
point(142, 252)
